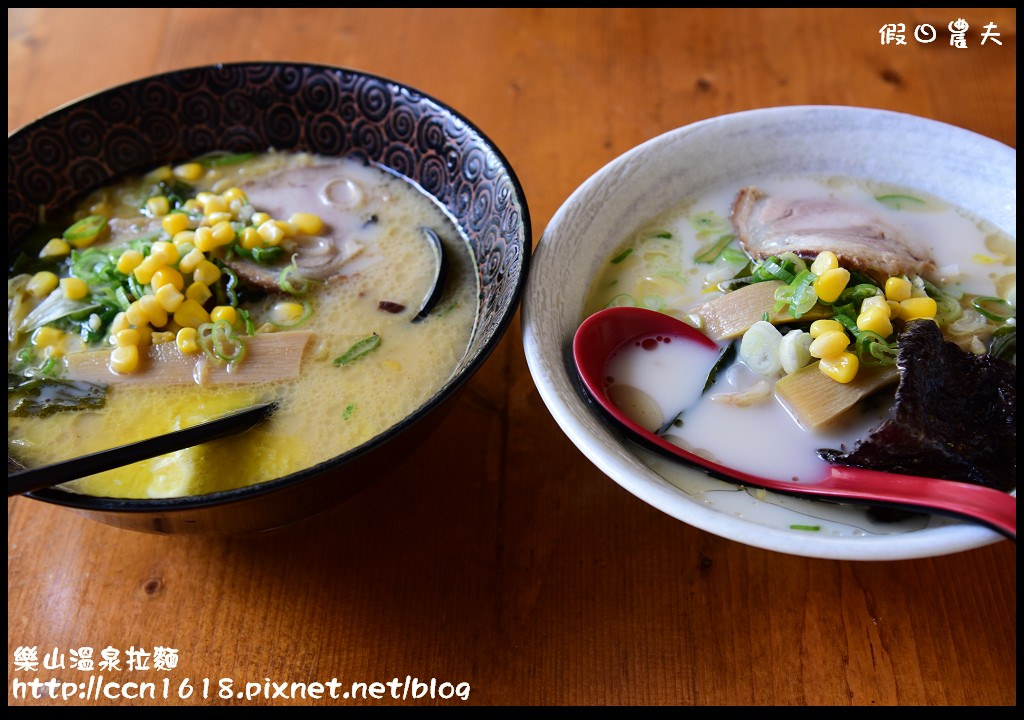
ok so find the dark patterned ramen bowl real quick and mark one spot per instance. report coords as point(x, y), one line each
point(253, 107)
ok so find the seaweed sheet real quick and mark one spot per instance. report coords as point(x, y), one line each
point(955, 416)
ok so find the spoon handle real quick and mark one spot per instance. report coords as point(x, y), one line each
point(37, 478)
point(994, 508)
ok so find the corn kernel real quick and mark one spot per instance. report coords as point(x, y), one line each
point(204, 197)
point(234, 194)
point(128, 336)
point(191, 314)
point(820, 327)
point(306, 223)
point(829, 344)
point(189, 172)
point(258, 218)
point(162, 337)
point(286, 313)
point(41, 284)
point(250, 239)
point(144, 270)
point(199, 292)
point(895, 309)
point(47, 336)
point(825, 261)
point(842, 368)
point(918, 307)
point(204, 239)
point(288, 228)
point(153, 310)
point(223, 233)
point(166, 251)
point(224, 312)
point(160, 174)
point(876, 320)
point(192, 205)
point(167, 276)
point(187, 340)
point(74, 288)
point(271, 232)
point(175, 223)
point(124, 359)
point(214, 203)
point(829, 285)
point(876, 301)
point(216, 217)
point(145, 335)
point(128, 261)
point(158, 205)
point(169, 296)
point(136, 315)
point(55, 248)
point(185, 237)
point(206, 272)
point(897, 288)
point(191, 260)
point(119, 323)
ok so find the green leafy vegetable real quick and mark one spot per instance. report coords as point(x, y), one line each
point(358, 350)
point(39, 396)
point(1004, 343)
point(348, 412)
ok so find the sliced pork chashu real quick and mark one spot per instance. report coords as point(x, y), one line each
point(334, 253)
point(770, 225)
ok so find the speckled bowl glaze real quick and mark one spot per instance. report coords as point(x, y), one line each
point(255, 106)
point(961, 167)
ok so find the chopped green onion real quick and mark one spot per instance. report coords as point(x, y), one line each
point(1004, 343)
point(733, 255)
point(219, 160)
point(710, 253)
point(994, 308)
point(221, 343)
point(897, 201)
point(291, 280)
point(250, 327)
point(808, 528)
point(707, 221)
point(85, 230)
point(622, 256)
point(664, 235)
point(349, 410)
point(358, 350)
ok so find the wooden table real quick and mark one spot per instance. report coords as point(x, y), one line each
point(525, 572)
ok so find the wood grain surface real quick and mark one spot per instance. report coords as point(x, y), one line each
point(521, 569)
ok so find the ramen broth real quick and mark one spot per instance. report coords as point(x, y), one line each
point(738, 421)
point(330, 407)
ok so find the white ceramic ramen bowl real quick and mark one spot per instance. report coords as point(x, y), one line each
point(961, 167)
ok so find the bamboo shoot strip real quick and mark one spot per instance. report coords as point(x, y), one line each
point(269, 357)
point(732, 314)
point(816, 399)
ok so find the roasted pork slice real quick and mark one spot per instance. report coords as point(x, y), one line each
point(771, 225)
point(955, 416)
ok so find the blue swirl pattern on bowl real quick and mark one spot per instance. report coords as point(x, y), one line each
point(256, 106)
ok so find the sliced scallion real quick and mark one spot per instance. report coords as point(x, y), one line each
point(358, 350)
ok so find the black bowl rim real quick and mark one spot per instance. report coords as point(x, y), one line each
point(222, 497)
